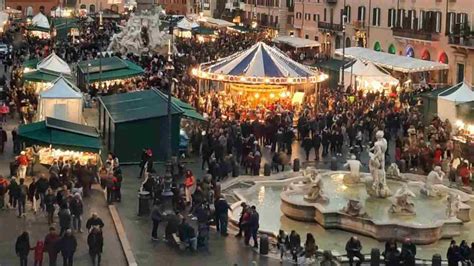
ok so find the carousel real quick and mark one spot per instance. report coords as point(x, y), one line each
point(260, 75)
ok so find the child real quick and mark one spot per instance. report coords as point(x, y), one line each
point(39, 250)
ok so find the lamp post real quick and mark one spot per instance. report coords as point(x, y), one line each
point(343, 44)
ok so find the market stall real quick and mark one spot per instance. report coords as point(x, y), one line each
point(204, 34)
point(40, 75)
point(39, 27)
point(62, 100)
point(55, 139)
point(368, 78)
point(103, 72)
point(132, 121)
point(259, 75)
point(184, 28)
point(447, 101)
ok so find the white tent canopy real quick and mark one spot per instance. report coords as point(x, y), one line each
point(186, 24)
point(53, 63)
point(296, 42)
point(62, 101)
point(368, 75)
point(218, 22)
point(447, 100)
point(390, 61)
point(40, 20)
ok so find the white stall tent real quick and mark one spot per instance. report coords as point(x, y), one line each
point(368, 75)
point(186, 24)
point(390, 61)
point(54, 63)
point(41, 21)
point(447, 101)
point(61, 101)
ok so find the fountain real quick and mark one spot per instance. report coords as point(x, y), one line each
point(433, 180)
point(316, 193)
point(401, 203)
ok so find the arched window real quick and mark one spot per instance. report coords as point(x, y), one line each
point(443, 58)
point(29, 11)
point(338, 42)
point(392, 49)
point(426, 55)
point(92, 8)
point(410, 52)
point(377, 47)
point(348, 42)
point(83, 7)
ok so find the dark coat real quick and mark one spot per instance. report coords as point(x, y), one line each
point(95, 240)
point(51, 243)
point(22, 245)
point(68, 245)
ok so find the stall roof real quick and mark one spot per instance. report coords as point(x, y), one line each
point(144, 105)
point(54, 63)
point(333, 64)
point(218, 22)
point(394, 62)
point(40, 21)
point(296, 42)
point(61, 134)
point(460, 93)
point(62, 88)
point(203, 31)
point(112, 68)
point(186, 24)
point(40, 76)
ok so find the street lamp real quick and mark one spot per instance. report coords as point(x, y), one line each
point(343, 45)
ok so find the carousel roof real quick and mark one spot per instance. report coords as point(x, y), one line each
point(260, 63)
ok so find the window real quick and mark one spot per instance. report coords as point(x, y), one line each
point(411, 19)
point(276, 20)
point(307, 16)
point(421, 20)
point(315, 17)
point(348, 13)
point(325, 15)
point(376, 17)
point(392, 18)
point(361, 13)
point(83, 7)
point(438, 21)
point(316, 38)
point(92, 8)
point(298, 15)
point(306, 36)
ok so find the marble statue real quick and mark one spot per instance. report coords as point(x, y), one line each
point(394, 172)
point(401, 203)
point(434, 178)
point(140, 34)
point(354, 208)
point(316, 193)
point(378, 187)
point(453, 205)
point(354, 167)
point(310, 172)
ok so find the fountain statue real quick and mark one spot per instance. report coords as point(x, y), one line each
point(316, 193)
point(354, 208)
point(394, 172)
point(140, 34)
point(354, 167)
point(435, 177)
point(401, 203)
point(453, 205)
point(379, 187)
point(310, 172)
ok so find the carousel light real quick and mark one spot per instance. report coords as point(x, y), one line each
point(220, 77)
point(243, 79)
point(194, 72)
point(272, 95)
point(256, 95)
point(267, 80)
point(241, 93)
point(200, 39)
point(282, 94)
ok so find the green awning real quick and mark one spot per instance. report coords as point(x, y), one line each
point(112, 68)
point(37, 28)
point(203, 31)
point(60, 134)
point(239, 28)
point(332, 64)
point(377, 47)
point(31, 63)
point(189, 111)
point(39, 76)
point(392, 49)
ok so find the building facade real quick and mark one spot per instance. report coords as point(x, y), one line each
point(32, 7)
point(93, 6)
point(177, 7)
point(273, 14)
point(437, 30)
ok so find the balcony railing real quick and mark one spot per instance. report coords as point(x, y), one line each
point(331, 1)
point(329, 26)
point(465, 40)
point(418, 35)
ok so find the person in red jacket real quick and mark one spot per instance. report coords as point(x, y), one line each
point(189, 181)
point(39, 250)
point(438, 155)
point(465, 173)
point(50, 245)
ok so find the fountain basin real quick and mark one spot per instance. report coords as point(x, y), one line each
point(428, 226)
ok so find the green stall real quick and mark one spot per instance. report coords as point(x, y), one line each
point(430, 103)
point(133, 121)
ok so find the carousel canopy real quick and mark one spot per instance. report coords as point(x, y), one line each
point(390, 61)
point(186, 24)
point(62, 88)
point(260, 64)
point(40, 21)
point(296, 42)
point(53, 63)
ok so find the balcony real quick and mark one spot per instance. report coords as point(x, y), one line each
point(325, 26)
point(462, 36)
point(358, 24)
point(331, 1)
point(414, 34)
